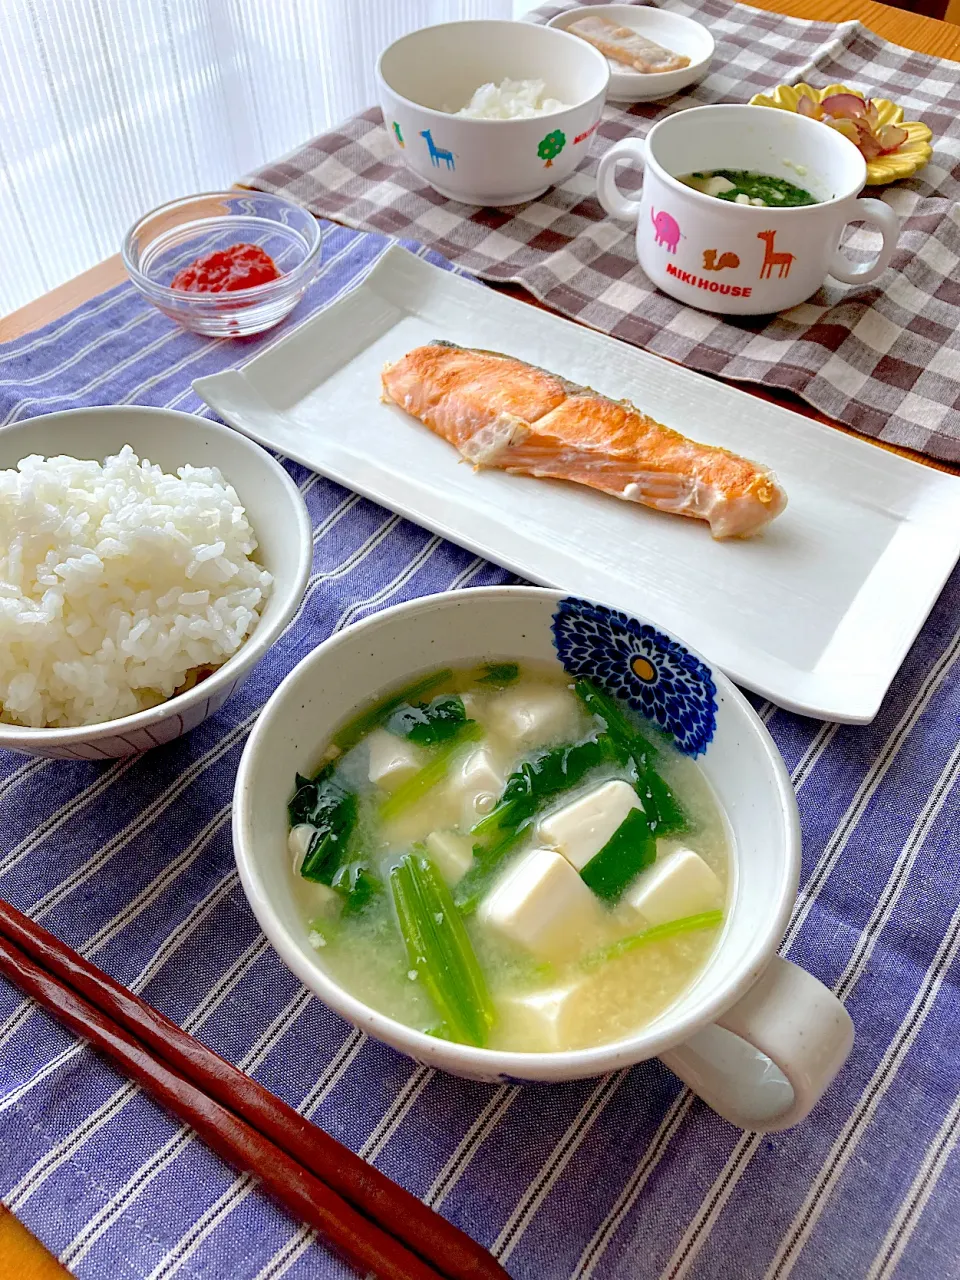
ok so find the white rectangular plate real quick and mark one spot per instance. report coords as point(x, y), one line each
point(816, 613)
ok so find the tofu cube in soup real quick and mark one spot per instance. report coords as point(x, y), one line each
point(534, 716)
point(452, 854)
point(547, 1020)
point(478, 781)
point(392, 760)
point(298, 842)
point(678, 884)
point(581, 829)
point(319, 901)
point(474, 706)
point(541, 904)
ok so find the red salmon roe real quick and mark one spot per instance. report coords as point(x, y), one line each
point(241, 266)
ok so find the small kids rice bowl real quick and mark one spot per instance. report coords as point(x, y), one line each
point(425, 77)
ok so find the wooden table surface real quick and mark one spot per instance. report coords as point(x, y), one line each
point(20, 1255)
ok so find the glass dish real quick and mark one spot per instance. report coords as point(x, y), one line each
point(171, 237)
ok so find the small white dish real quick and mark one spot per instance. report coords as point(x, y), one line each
point(671, 30)
point(816, 613)
point(277, 513)
point(757, 1037)
point(425, 76)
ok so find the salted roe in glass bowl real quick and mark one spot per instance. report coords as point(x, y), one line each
point(169, 239)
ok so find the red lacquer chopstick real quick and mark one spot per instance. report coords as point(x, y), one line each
point(401, 1215)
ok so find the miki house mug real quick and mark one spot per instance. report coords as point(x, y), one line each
point(742, 259)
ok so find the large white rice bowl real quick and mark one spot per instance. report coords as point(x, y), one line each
point(119, 584)
point(136, 595)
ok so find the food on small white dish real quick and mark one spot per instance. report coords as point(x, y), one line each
point(671, 32)
point(120, 585)
point(628, 46)
point(742, 186)
point(559, 896)
point(504, 413)
point(510, 100)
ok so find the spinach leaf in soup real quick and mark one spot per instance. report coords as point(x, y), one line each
point(325, 804)
point(357, 885)
point(498, 674)
point(427, 724)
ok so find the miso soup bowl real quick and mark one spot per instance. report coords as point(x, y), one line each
point(756, 1037)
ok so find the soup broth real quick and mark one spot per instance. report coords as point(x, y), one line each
point(508, 858)
point(743, 186)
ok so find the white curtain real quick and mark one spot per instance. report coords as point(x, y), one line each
point(110, 107)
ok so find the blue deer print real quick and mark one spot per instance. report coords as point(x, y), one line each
point(437, 153)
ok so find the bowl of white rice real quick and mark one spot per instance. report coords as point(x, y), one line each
point(148, 560)
point(490, 112)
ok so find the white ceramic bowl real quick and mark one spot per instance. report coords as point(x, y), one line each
point(778, 1010)
point(672, 30)
point(279, 518)
point(489, 162)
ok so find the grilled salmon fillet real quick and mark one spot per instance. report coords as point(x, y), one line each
point(501, 412)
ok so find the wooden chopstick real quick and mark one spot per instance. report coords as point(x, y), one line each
point(214, 1082)
point(364, 1245)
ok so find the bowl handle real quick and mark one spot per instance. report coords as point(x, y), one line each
point(768, 1060)
point(608, 193)
point(882, 217)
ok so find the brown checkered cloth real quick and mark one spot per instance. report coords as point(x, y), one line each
point(882, 358)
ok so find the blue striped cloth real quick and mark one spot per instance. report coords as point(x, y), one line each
point(621, 1178)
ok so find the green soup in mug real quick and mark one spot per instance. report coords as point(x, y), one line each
point(743, 186)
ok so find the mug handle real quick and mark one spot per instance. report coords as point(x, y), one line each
point(882, 217)
point(766, 1062)
point(608, 193)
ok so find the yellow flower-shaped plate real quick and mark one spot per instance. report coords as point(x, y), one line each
point(902, 163)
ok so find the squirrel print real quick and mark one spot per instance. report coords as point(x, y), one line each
point(711, 263)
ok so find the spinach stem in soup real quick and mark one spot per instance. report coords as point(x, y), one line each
point(440, 950)
point(431, 774)
point(744, 186)
point(659, 932)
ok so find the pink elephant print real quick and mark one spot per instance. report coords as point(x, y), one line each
point(666, 230)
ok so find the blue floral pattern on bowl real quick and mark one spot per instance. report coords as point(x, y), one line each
point(634, 661)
